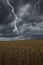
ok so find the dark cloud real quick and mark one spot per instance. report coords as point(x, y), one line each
point(28, 11)
point(5, 9)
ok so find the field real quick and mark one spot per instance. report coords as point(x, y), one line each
point(21, 52)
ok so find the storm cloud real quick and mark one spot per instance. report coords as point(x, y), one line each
point(22, 19)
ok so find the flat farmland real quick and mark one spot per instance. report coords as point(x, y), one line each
point(25, 52)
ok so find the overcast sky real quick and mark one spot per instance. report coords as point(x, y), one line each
point(25, 9)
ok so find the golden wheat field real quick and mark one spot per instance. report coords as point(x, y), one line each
point(21, 52)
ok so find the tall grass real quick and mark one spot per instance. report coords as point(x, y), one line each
point(21, 55)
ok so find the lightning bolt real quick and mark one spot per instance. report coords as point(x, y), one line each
point(36, 6)
point(14, 22)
